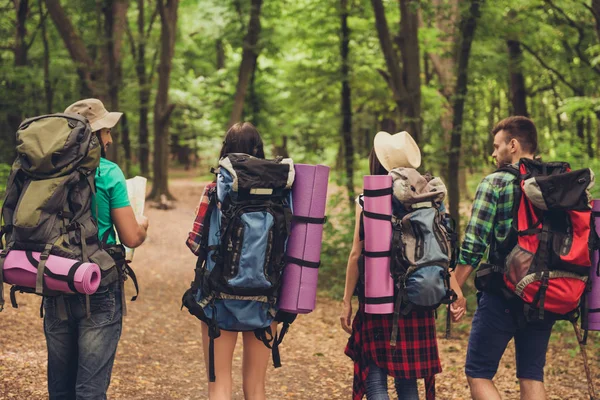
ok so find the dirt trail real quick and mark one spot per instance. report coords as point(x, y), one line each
point(160, 353)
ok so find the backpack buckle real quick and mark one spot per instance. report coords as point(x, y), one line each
point(44, 255)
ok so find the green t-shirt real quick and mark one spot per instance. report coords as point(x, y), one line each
point(111, 193)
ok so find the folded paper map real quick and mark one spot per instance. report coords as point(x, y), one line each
point(136, 190)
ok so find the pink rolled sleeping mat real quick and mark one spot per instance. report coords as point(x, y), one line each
point(61, 274)
point(594, 296)
point(303, 252)
point(377, 214)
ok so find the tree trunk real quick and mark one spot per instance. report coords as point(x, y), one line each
point(139, 55)
point(589, 137)
point(580, 124)
point(409, 48)
point(254, 99)
point(394, 74)
point(90, 75)
point(467, 33)
point(249, 57)
point(47, 84)
point(220, 54)
point(162, 108)
point(346, 100)
point(518, 92)
point(281, 151)
point(596, 14)
point(20, 50)
point(115, 18)
point(126, 144)
point(598, 132)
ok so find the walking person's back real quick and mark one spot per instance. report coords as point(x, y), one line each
point(82, 331)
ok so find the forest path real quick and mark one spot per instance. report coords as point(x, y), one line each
point(160, 352)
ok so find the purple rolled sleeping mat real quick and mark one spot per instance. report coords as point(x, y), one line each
point(594, 296)
point(377, 214)
point(303, 253)
point(61, 274)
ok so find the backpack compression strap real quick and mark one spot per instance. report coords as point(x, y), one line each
point(3, 255)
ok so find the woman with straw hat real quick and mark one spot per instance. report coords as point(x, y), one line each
point(369, 343)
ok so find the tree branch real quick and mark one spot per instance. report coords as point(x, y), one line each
point(580, 34)
point(73, 41)
point(131, 40)
point(152, 19)
point(549, 68)
point(42, 21)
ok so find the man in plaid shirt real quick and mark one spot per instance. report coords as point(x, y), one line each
point(499, 318)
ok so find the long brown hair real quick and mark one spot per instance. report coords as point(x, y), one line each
point(243, 137)
point(375, 167)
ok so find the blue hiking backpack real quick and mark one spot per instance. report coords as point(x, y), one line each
point(244, 237)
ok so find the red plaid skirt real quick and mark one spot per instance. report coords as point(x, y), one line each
point(415, 355)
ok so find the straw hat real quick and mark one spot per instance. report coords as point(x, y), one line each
point(395, 151)
point(95, 112)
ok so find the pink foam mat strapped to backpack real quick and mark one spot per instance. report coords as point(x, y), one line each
point(377, 214)
point(593, 299)
point(61, 274)
point(303, 253)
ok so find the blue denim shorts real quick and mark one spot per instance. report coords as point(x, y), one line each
point(492, 329)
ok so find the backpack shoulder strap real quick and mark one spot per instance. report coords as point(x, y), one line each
point(510, 169)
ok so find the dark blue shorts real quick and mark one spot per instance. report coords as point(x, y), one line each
point(493, 327)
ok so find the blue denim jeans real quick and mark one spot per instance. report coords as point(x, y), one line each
point(377, 386)
point(81, 350)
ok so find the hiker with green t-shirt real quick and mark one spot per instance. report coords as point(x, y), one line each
point(82, 345)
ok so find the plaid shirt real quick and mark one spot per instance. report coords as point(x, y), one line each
point(492, 213)
point(415, 355)
point(195, 235)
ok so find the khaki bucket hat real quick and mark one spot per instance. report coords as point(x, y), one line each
point(395, 151)
point(95, 112)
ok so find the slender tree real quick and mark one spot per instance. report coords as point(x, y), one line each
point(167, 9)
point(138, 52)
point(346, 100)
point(248, 64)
point(467, 33)
point(403, 80)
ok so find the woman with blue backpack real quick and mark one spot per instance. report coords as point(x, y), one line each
point(238, 238)
point(372, 344)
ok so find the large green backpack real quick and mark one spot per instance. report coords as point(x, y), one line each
point(48, 202)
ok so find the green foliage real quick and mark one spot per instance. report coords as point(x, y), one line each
point(4, 172)
point(337, 242)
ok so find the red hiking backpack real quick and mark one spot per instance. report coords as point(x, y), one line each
point(549, 267)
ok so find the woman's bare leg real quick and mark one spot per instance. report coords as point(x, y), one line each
point(256, 360)
point(224, 347)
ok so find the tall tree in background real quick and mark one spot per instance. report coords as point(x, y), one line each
point(404, 80)
point(518, 92)
point(467, 33)
point(20, 49)
point(100, 76)
point(248, 64)
point(138, 52)
point(49, 93)
point(346, 103)
point(167, 9)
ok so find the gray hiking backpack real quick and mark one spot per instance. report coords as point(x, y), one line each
point(423, 243)
point(48, 200)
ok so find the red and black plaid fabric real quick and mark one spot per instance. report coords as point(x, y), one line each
point(195, 235)
point(415, 355)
